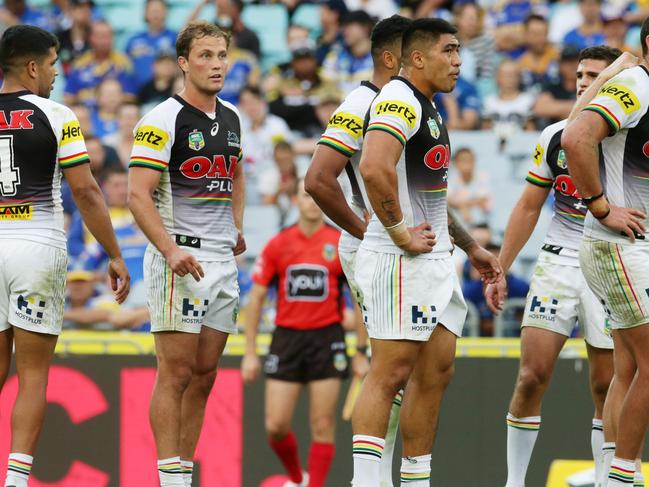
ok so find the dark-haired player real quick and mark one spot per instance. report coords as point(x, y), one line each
point(559, 297)
point(39, 141)
point(338, 150)
point(186, 191)
point(308, 348)
point(606, 150)
point(409, 290)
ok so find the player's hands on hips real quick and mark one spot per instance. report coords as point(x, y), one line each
point(422, 239)
point(240, 247)
point(495, 295)
point(183, 263)
point(120, 279)
point(360, 364)
point(250, 368)
point(625, 221)
point(486, 264)
point(626, 60)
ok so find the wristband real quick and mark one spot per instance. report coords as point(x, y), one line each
point(604, 215)
point(599, 208)
point(590, 199)
point(399, 233)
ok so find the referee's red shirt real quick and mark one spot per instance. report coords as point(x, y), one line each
point(308, 276)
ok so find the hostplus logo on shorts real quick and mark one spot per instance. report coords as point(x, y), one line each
point(544, 308)
point(423, 318)
point(194, 310)
point(31, 309)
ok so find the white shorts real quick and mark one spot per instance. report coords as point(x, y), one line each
point(182, 304)
point(618, 274)
point(405, 298)
point(559, 297)
point(348, 263)
point(32, 286)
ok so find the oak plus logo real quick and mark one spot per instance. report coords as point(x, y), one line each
point(307, 282)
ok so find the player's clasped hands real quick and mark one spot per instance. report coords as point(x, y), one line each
point(250, 368)
point(495, 295)
point(183, 263)
point(120, 279)
point(627, 221)
point(486, 264)
point(422, 239)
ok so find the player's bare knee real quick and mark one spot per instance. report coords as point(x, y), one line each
point(322, 427)
point(176, 375)
point(531, 380)
point(277, 429)
point(205, 380)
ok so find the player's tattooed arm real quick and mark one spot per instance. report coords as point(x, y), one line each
point(391, 210)
point(460, 235)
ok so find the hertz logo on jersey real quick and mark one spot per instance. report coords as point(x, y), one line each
point(622, 95)
point(71, 132)
point(351, 124)
point(151, 137)
point(538, 155)
point(400, 109)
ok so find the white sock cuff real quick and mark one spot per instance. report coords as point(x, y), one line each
point(598, 424)
point(420, 464)
point(638, 466)
point(368, 447)
point(373, 439)
point(623, 463)
point(527, 419)
point(186, 464)
point(167, 461)
point(608, 445)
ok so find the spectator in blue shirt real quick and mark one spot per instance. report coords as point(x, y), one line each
point(75, 40)
point(101, 62)
point(110, 97)
point(17, 12)
point(460, 108)
point(589, 33)
point(509, 33)
point(145, 47)
point(243, 71)
point(332, 13)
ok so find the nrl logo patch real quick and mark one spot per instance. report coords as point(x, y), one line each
point(433, 127)
point(196, 140)
point(561, 160)
point(329, 252)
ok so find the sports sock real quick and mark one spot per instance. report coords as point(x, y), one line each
point(188, 470)
point(320, 457)
point(367, 451)
point(286, 450)
point(621, 473)
point(415, 471)
point(521, 436)
point(638, 477)
point(608, 451)
point(170, 472)
point(19, 466)
point(390, 440)
point(596, 441)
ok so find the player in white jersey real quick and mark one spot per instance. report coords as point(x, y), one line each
point(338, 150)
point(614, 254)
point(559, 297)
point(404, 271)
point(186, 191)
point(39, 141)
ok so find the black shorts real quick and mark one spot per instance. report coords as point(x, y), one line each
point(307, 355)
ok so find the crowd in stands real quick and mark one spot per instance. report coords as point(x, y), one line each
point(518, 74)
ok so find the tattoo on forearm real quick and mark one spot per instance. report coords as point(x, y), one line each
point(389, 206)
point(458, 232)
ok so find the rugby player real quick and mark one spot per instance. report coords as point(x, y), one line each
point(338, 150)
point(559, 297)
point(186, 192)
point(614, 252)
point(409, 290)
point(308, 347)
point(39, 141)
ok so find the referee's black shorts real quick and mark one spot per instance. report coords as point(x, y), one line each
point(307, 355)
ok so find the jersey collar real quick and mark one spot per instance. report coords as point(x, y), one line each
point(370, 85)
point(16, 94)
point(411, 86)
point(191, 107)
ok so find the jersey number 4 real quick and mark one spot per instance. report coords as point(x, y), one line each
point(9, 175)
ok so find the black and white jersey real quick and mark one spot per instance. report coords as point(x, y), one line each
point(401, 110)
point(197, 155)
point(623, 102)
point(549, 169)
point(344, 134)
point(38, 138)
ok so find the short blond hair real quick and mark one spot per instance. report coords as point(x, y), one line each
point(196, 30)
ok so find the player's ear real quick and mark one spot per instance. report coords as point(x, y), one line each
point(417, 59)
point(32, 68)
point(389, 60)
point(183, 64)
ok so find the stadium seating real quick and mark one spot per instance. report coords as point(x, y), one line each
point(272, 40)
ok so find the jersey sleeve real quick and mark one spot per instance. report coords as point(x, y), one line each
point(72, 147)
point(152, 143)
point(395, 111)
point(621, 102)
point(344, 132)
point(539, 173)
point(265, 269)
